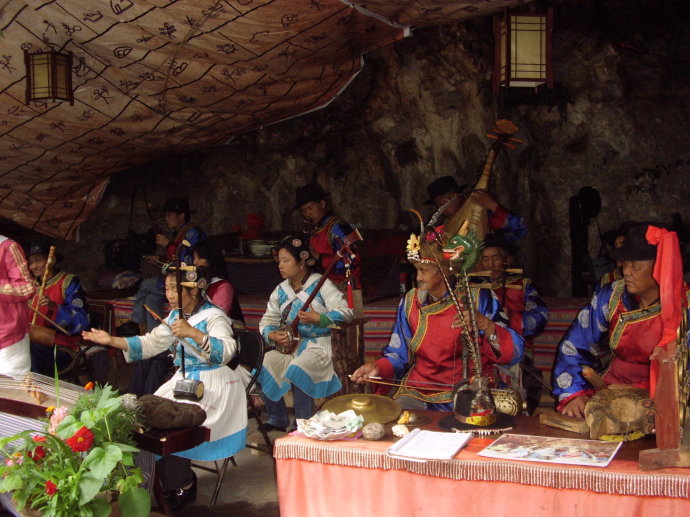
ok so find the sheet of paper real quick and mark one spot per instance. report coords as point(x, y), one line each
point(422, 445)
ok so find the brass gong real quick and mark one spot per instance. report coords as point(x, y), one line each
point(376, 409)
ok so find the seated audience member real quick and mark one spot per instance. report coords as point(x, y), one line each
point(308, 369)
point(424, 353)
point(526, 309)
point(324, 228)
point(64, 302)
point(16, 289)
point(501, 221)
point(219, 290)
point(628, 314)
point(207, 335)
point(149, 374)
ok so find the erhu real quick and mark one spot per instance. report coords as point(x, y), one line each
point(185, 388)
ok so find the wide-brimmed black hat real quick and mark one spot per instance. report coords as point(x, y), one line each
point(610, 236)
point(466, 399)
point(307, 193)
point(441, 186)
point(498, 240)
point(42, 248)
point(179, 205)
point(636, 246)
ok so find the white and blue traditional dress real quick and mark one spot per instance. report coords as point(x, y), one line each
point(632, 332)
point(224, 397)
point(310, 366)
point(425, 353)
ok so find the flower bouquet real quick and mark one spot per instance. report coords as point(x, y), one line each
point(85, 455)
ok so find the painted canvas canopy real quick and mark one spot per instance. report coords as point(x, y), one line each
point(153, 77)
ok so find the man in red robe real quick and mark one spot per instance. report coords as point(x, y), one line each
point(325, 230)
point(626, 316)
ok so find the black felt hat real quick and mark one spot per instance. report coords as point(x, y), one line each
point(636, 246)
point(43, 248)
point(474, 410)
point(610, 236)
point(498, 240)
point(307, 193)
point(441, 186)
point(178, 205)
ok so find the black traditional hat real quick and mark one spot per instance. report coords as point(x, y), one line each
point(610, 236)
point(498, 240)
point(636, 246)
point(307, 193)
point(178, 205)
point(441, 186)
point(474, 410)
point(43, 248)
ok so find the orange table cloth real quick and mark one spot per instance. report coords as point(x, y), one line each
point(356, 478)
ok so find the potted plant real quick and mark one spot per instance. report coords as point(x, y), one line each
point(84, 456)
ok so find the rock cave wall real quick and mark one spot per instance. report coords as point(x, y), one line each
point(617, 120)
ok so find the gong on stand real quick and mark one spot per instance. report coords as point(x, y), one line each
point(375, 409)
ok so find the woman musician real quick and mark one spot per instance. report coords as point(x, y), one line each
point(207, 336)
point(308, 368)
point(63, 301)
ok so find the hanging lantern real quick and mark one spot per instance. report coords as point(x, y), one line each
point(522, 55)
point(49, 76)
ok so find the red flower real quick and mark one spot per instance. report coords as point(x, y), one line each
point(39, 438)
point(89, 386)
point(38, 454)
point(81, 441)
point(51, 487)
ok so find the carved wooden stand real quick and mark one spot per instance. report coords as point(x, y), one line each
point(347, 344)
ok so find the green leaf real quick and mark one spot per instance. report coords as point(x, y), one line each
point(135, 502)
point(100, 462)
point(89, 486)
point(11, 483)
point(126, 448)
point(100, 507)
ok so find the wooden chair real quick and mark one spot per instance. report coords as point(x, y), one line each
point(250, 355)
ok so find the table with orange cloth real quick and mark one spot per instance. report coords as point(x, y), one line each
point(356, 478)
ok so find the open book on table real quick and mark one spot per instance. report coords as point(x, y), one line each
point(422, 445)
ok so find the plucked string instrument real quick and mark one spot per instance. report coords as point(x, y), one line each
point(345, 254)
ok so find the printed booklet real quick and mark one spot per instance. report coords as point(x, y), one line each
point(569, 451)
point(422, 445)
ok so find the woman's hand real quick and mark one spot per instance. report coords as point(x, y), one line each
point(576, 407)
point(182, 328)
point(100, 337)
point(280, 337)
point(361, 374)
point(309, 316)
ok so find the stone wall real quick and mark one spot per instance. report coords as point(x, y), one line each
point(617, 120)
